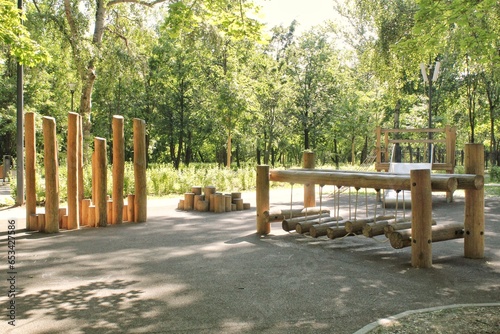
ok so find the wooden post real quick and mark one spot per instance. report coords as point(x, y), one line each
point(421, 210)
point(33, 222)
point(91, 216)
point(228, 202)
point(262, 199)
point(72, 177)
point(141, 199)
point(219, 203)
point(131, 208)
point(51, 176)
point(101, 214)
point(474, 204)
point(85, 212)
point(81, 189)
point(189, 201)
point(30, 165)
point(109, 210)
point(208, 191)
point(118, 169)
point(309, 195)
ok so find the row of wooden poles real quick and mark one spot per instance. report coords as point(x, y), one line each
point(421, 183)
point(100, 211)
point(211, 201)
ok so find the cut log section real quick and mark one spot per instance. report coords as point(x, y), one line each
point(402, 238)
point(278, 215)
point(291, 223)
point(305, 226)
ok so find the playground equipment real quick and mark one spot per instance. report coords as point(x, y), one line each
point(100, 210)
point(211, 201)
point(420, 182)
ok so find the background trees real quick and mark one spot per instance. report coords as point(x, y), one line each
point(215, 86)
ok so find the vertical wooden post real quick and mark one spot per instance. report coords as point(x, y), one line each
point(118, 168)
point(421, 224)
point(51, 176)
point(141, 199)
point(101, 214)
point(30, 165)
point(474, 204)
point(262, 199)
point(85, 212)
point(81, 189)
point(131, 207)
point(309, 194)
point(72, 177)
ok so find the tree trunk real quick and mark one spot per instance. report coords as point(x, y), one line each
point(228, 159)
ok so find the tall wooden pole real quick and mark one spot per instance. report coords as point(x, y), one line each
point(309, 194)
point(421, 211)
point(51, 176)
point(141, 199)
point(72, 177)
point(101, 217)
point(118, 169)
point(474, 204)
point(30, 148)
point(81, 189)
point(262, 199)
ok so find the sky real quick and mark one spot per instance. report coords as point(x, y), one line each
point(307, 12)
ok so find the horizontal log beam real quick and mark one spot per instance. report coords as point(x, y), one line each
point(402, 238)
point(361, 180)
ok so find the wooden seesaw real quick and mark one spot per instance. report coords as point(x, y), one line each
point(421, 183)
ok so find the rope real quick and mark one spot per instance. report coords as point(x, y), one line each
point(291, 200)
point(320, 201)
point(366, 203)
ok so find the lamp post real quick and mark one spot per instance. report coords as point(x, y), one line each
point(72, 87)
point(435, 74)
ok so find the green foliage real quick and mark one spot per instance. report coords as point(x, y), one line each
point(495, 174)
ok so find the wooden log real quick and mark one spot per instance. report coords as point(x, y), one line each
point(101, 171)
point(233, 207)
point(334, 232)
point(421, 212)
point(118, 169)
point(262, 200)
point(319, 230)
point(196, 190)
point(30, 166)
point(109, 208)
point(41, 222)
point(291, 223)
point(140, 180)
point(227, 202)
point(356, 225)
point(81, 189)
point(239, 204)
point(85, 212)
point(474, 204)
point(211, 202)
point(131, 207)
point(125, 212)
point(33, 222)
point(202, 206)
point(180, 205)
point(400, 224)
point(208, 191)
point(235, 195)
point(189, 201)
point(402, 238)
point(356, 179)
point(219, 203)
point(91, 216)
point(379, 227)
point(196, 199)
point(309, 191)
point(278, 215)
point(64, 222)
point(304, 227)
point(72, 170)
point(246, 206)
point(62, 213)
point(51, 176)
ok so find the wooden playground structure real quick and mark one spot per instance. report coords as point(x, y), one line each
point(100, 210)
point(420, 182)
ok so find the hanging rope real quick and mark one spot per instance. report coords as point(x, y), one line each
point(356, 204)
point(376, 199)
point(291, 200)
point(320, 201)
point(366, 203)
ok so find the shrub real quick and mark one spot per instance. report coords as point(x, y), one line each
point(495, 174)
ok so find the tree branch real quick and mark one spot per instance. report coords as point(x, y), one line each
point(139, 2)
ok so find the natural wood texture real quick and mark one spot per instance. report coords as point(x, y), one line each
point(305, 226)
point(290, 224)
point(101, 171)
point(421, 212)
point(239, 203)
point(85, 212)
point(227, 202)
point(202, 206)
point(196, 199)
point(72, 167)
point(402, 238)
point(141, 196)
point(131, 207)
point(334, 232)
point(51, 176)
point(41, 222)
point(62, 213)
point(91, 216)
point(33, 222)
point(235, 195)
point(118, 169)
point(30, 167)
point(262, 200)
point(196, 190)
point(278, 215)
point(125, 212)
point(209, 191)
point(233, 207)
point(379, 227)
point(361, 180)
point(356, 225)
point(64, 222)
point(189, 201)
point(474, 204)
point(319, 230)
point(93, 177)
point(219, 203)
point(309, 192)
point(81, 190)
point(109, 207)
point(246, 206)
point(400, 224)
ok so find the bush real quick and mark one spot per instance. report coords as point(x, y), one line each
point(495, 174)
